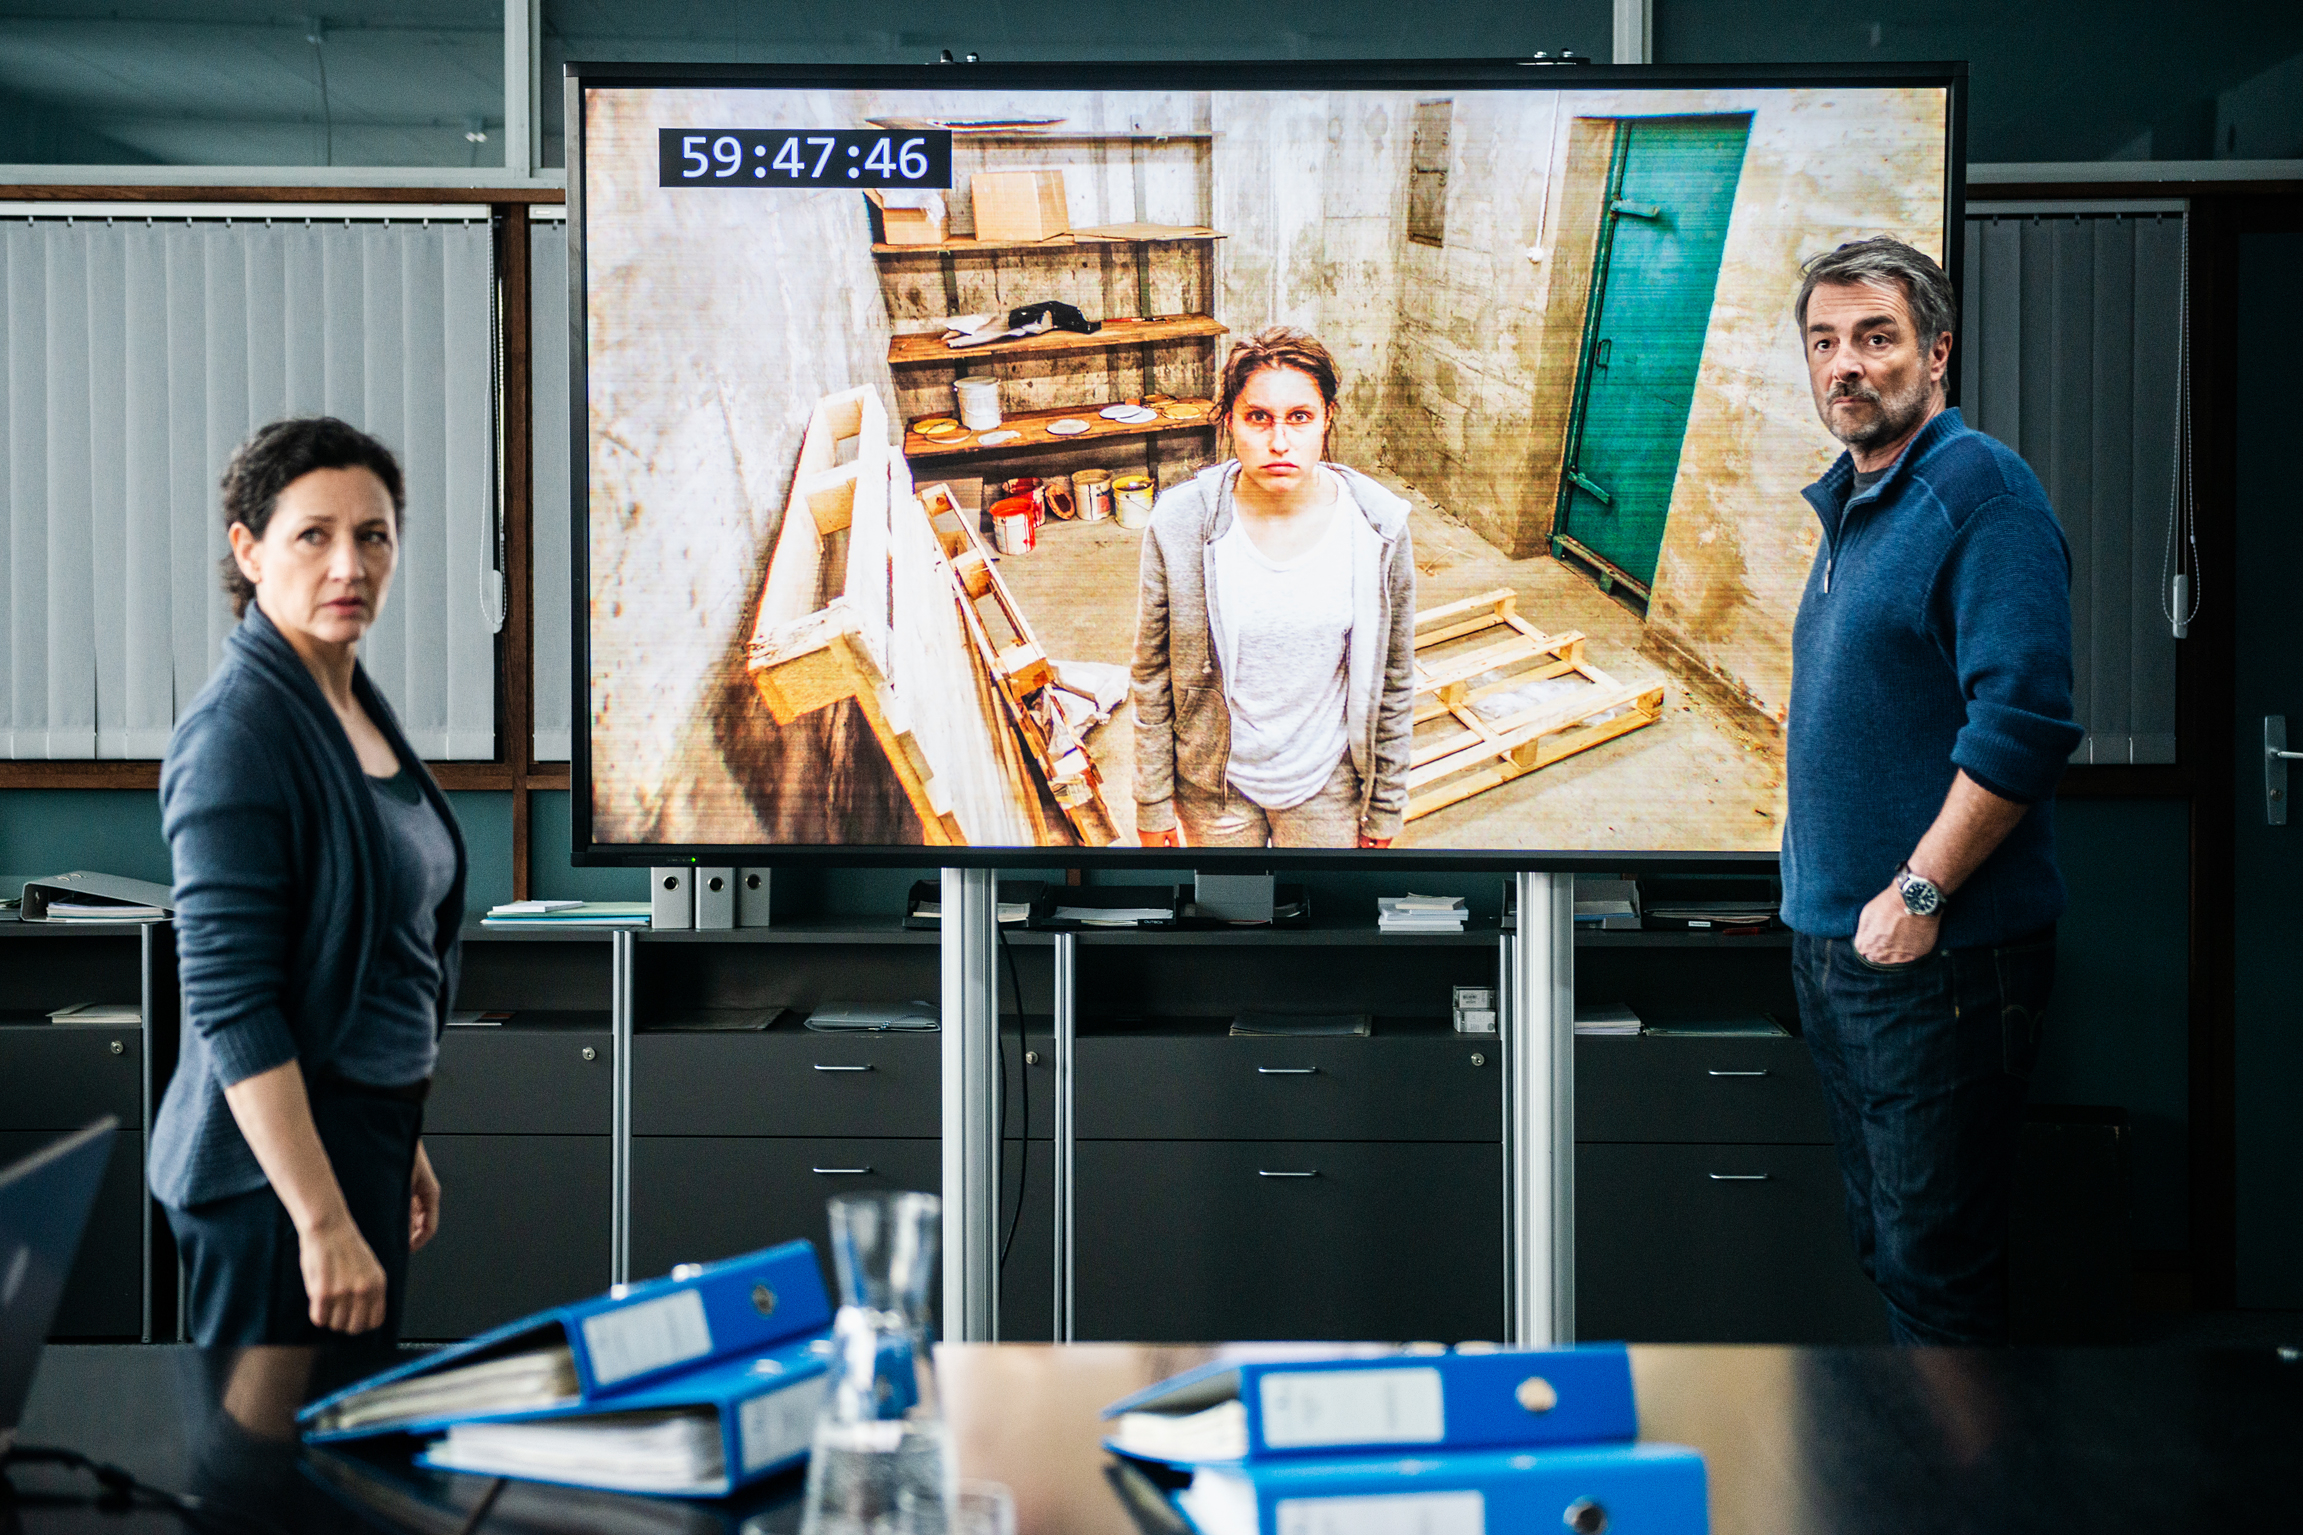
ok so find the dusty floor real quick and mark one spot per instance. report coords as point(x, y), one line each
point(1701, 777)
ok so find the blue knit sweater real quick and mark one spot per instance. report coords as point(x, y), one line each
point(1935, 635)
point(281, 906)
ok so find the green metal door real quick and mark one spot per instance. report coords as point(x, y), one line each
point(1670, 191)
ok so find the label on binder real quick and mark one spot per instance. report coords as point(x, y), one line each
point(779, 1425)
point(1310, 1409)
point(1405, 1513)
point(647, 1337)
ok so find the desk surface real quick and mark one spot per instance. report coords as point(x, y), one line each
point(1830, 1441)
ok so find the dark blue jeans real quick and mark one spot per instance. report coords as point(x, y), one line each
point(1925, 1068)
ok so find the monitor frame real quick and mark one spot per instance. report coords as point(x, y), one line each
point(1232, 75)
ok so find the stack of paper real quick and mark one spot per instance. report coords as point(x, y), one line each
point(1616, 1019)
point(1114, 916)
point(1420, 913)
point(109, 1014)
point(550, 914)
point(1010, 911)
point(103, 911)
point(677, 1451)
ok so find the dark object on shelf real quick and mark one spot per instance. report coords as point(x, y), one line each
point(716, 1020)
point(1075, 907)
point(1304, 1025)
point(2070, 1258)
point(84, 897)
point(911, 1017)
point(1290, 907)
point(1709, 905)
point(1750, 1026)
point(1020, 901)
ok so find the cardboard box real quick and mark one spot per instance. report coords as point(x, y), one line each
point(1019, 205)
point(906, 226)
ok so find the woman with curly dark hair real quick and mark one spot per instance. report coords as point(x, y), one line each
point(319, 881)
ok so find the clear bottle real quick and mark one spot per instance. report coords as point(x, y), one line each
point(881, 1462)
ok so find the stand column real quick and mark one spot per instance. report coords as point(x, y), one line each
point(623, 946)
point(971, 1128)
point(1066, 1063)
point(1539, 1113)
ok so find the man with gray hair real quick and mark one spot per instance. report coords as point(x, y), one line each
point(1930, 721)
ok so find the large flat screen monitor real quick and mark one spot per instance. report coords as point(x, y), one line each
point(1109, 464)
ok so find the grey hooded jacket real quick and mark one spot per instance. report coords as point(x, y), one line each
point(1183, 723)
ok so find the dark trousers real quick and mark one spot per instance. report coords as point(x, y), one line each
point(244, 1275)
point(1925, 1068)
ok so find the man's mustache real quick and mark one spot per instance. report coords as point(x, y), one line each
point(1850, 391)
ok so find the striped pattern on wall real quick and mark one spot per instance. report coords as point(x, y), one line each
point(2073, 317)
point(135, 354)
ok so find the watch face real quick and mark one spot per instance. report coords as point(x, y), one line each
point(1920, 898)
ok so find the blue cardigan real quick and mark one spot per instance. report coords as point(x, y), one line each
point(1935, 634)
point(279, 889)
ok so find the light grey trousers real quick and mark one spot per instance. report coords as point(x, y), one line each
point(1329, 818)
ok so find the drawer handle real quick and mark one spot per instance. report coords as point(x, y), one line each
point(844, 1068)
point(840, 1172)
point(1265, 1173)
point(1738, 1177)
point(1735, 1073)
point(1285, 1071)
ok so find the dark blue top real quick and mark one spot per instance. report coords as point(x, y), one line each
point(1935, 635)
point(282, 901)
point(399, 1041)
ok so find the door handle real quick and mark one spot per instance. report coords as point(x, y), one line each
point(1577, 478)
point(1267, 1173)
point(1636, 210)
point(2276, 756)
point(1606, 350)
point(1738, 1177)
point(865, 1067)
point(1286, 1071)
point(1735, 1073)
point(840, 1172)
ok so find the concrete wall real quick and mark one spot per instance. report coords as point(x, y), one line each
point(716, 320)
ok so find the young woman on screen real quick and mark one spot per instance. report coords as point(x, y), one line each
point(1275, 632)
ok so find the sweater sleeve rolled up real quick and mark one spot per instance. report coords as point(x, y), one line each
point(228, 824)
point(2007, 590)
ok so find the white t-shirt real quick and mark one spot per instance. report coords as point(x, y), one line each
point(1286, 631)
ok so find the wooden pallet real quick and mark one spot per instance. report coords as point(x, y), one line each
point(1485, 637)
point(860, 603)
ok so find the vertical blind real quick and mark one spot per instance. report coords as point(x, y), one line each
point(2073, 319)
point(552, 531)
point(138, 352)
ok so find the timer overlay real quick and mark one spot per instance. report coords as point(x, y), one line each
point(831, 603)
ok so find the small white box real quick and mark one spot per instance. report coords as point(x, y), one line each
point(752, 886)
point(715, 899)
point(1475, 1010)
point(671, 898)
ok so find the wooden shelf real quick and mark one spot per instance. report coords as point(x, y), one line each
point(1176, 234)
point(924, 351)
point(1034, 423)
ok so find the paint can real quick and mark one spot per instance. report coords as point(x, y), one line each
point(979, 402)
point(1057, 496)
point(1092, 489)
point(1013, 522)
point(1132, 499)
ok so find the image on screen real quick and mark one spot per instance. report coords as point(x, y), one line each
point(913, 514)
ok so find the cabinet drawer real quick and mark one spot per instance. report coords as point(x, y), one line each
point(64, 1078)
point(525, 1223)
point(700, 1198)
point(1196, 1241)
point(1717, 1244)
point(784, 1084)
point(1221, 1087)
point(522, 1081)
point(104, 1293)
point(1663, 1088)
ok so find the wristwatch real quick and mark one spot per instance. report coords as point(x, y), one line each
point(1922, 897)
